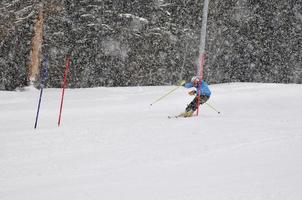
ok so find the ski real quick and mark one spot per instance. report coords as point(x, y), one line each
point(174, 116)
point(180, 115)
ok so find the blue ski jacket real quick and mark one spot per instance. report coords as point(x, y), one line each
point(204, 90)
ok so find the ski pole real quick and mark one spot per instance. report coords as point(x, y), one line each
point(160, 98)
point(212, 107)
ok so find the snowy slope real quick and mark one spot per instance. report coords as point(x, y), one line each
point(113, 145)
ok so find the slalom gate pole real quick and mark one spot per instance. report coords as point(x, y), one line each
point(212, 107)
point(203, 35)
point(63, 88)
point(44, 77)
point(202, 61)
point(165, 95)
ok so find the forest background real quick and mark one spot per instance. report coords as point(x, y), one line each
point(134, 43)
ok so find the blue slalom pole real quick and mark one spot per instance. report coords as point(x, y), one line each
point(44, 77)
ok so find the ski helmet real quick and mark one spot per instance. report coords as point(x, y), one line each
point(195, 78)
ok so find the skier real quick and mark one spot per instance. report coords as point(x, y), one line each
point(204, 93)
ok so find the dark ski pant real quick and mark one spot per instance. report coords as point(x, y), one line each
point(193, 104)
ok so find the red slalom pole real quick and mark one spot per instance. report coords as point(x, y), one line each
point(63, 88)
point(202, 61)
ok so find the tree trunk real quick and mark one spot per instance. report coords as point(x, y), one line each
point(36, 47)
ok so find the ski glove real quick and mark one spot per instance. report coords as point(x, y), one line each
point(193, 92)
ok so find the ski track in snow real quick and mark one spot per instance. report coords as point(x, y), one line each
point(113, 145)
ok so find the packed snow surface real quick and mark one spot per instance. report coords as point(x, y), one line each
point(113, 145)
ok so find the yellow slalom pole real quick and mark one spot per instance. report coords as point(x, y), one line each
point(212, 107)
point(160, 98)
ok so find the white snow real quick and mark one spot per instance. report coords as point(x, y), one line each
point(127, 15)
point(59, 33)
point(107, 27)
point(20, 19)
point(87, 15)
point(113, 145)
point(24, 10)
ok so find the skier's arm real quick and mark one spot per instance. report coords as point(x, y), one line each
point(188, 85)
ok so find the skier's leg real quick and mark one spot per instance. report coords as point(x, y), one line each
point(192, 106)
point(203, 99)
